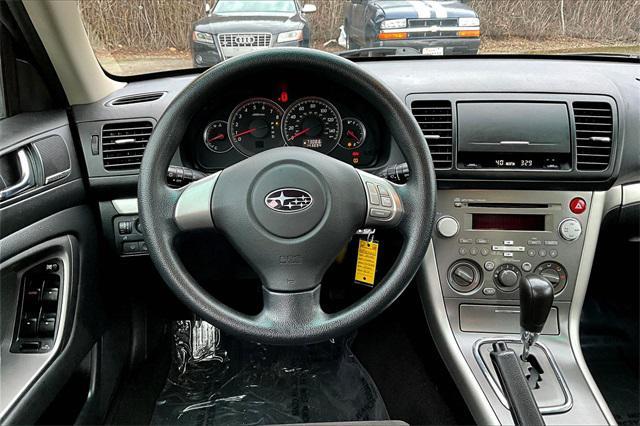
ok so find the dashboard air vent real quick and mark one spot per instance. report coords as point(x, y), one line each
point(137, 99)
point(594, 135)
point(123, 144)
point(436, 121)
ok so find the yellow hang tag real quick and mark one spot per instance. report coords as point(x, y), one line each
point(366, 265)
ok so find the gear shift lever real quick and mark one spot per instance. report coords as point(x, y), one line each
point(536, 298)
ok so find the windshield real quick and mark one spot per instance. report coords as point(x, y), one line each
point(243, 6)
point(145, 36)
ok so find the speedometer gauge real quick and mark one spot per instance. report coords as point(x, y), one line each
point(254, 126)
point(312, 123)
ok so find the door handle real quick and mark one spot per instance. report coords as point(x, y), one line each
point(26, 174)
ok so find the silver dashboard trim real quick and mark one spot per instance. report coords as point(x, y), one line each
point(435, 311)
point(592, 232)
point(126, 205)
point(630, 194)
point(496, 388)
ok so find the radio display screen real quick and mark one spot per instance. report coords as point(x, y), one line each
point(508, 222)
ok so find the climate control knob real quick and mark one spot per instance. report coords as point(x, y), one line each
point(570, 229)
point(555, 273)
point(447, 226)
point(507, 277)
point(465, 276)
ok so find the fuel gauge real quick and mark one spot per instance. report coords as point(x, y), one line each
point(216, 137)
point(353, 133)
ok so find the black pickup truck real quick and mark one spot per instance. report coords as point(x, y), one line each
point(432, 27)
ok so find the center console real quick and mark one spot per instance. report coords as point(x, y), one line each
point(484, 242)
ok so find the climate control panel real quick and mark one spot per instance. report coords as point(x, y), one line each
point(485, 241)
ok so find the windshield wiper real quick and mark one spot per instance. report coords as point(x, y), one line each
point(379, 51)
point(605, 54)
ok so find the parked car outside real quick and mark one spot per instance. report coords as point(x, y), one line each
point(431, 27)
point(234, 27)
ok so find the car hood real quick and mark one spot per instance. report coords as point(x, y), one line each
point(225, 23)
point(424, 9)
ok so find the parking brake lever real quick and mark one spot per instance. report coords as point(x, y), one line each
point(536, 298)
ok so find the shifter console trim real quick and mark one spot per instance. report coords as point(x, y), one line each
point(496, 387)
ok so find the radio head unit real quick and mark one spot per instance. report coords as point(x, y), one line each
point(514, 135)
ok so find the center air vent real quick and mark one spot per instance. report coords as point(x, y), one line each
point(594, 135)
point(123, 144)
point(435, 120)
point(136, 99)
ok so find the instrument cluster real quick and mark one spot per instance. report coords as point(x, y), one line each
point(255, 124)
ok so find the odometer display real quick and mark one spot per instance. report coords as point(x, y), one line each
point(254, 126)
point(312, 123)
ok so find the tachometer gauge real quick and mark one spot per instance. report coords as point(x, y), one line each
point(216, 137)
point(353, 133)
point(312, 123)
point(254, 126)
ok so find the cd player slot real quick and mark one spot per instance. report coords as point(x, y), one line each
point(509, 205)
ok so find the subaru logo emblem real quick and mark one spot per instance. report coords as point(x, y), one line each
point(245, 39)
point(288, 200)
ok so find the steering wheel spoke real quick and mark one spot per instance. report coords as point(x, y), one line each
point(293, 311)
point(193, 207)
point(385, 208)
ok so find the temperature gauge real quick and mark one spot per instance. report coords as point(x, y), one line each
point(353, 133)
point(216, 137)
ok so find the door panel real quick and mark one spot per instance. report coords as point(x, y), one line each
point(50, 309)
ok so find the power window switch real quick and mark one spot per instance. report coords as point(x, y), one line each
point(50, 295)
point(47, 325)
point(32, 292)
point(29, 326)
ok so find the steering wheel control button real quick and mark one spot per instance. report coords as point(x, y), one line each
point(578, 205)
point(465, 276)
point(374, 197)
point(570, 229)
point(507, 277)
point(447, 227)
point(383, 214)
point(555, 273)
point(384, 206)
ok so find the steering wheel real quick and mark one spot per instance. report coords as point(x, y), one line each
point(288, 211)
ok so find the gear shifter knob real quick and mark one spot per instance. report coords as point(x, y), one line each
point(536, 298)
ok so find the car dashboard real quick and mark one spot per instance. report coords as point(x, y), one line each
point(561, 153)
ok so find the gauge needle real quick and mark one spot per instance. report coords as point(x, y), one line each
point(353, 135)
point(220, 136)
point(300, 133)
point(245, 132)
